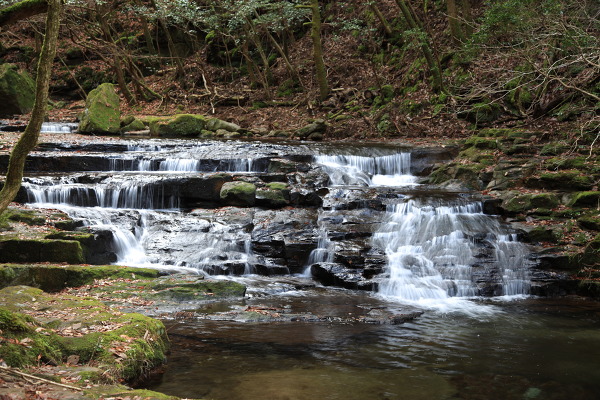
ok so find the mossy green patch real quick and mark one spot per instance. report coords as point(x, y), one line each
point(568, 181)
point(57, 277)
point(17, 91)
point(481, 143)
point(591, 222)
point(178, 125)
point(102, 114)
point(585, 199)
point(124, 345)
point(42, 250)
point(527, 202)
point(238, 193)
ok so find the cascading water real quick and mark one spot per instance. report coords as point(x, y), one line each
point(433, 252)
point(388, 170)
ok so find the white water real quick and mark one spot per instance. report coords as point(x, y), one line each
point(390, 170)
point(433, 253)
point(56, 127)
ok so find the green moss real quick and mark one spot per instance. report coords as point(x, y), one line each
point(102, 114)
point(68, 251)
point(29, 217)
point(481, 143)
point(482, 113)
point(553, 149)
point(585, 199)
point(17, 91)
point(178, 125)
point(570, 180)
point(476, 155)
point(543, 234)
point(277, 186)
point(510, 133)
point(57, 277)
point(238, 193)
point(21, 344)
point(127, 346)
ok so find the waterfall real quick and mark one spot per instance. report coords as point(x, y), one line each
point(390, 170)
point(114, 194)
point(434, 252)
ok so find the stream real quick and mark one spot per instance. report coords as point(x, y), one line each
point(343, 231)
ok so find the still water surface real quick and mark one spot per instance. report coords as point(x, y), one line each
point(524, 348)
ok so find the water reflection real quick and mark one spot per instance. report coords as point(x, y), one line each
point(533, 348)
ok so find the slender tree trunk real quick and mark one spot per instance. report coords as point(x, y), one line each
point(384, 23)
point(453, 21)
point(432, 61)
point(116, 61)
point(29, 139)
point(468, 17)
point(315, 33)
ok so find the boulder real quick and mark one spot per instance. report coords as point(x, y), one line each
point(215, 124)
point(32, 251)
point(585, 199)
point(133, 126)
point(187, 125)
point(316, 129)
point(101, 115)
point(17, 91)
point(238, 193)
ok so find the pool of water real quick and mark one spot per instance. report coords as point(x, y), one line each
point(525, 348)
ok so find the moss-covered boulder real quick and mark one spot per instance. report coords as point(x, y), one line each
point(275, 195)
point(43, 250)
point(541, 234)
point(568, 181)
point(238, 194)
point(468, 174)
point(585, 199)
point(102, 114)
point(134, 125)
point(215, 124)
point(185, 125)
point(481, 143)
point(482, 113)
point(528, 202)
point(53, 278)
point(591, 222)
point(17, 91)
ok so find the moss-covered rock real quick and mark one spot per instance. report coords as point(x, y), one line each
point(102, 114)
point(17, 91)
point(469, 174)
point(52, 278)
point(482, 113)
point(186, 125)
point(543, 234)
point(527, 202)
point(585, 199)
point(272, 198)
point(591, 222)
point(43, 250)
point(133, 126)
point(567, 181)
point(319, 126)
point(187, 288)
point(238, 193)
point(481, 143)
point(215, 124)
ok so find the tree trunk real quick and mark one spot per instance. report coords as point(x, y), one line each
point(455, 28)
point(432, 61)
point(315, 33)
point(384, 23)
point(29, 138)
point(468, 17)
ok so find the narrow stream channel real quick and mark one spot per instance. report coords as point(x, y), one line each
point(348, 218)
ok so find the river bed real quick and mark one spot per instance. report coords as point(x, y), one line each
point(519, 348)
